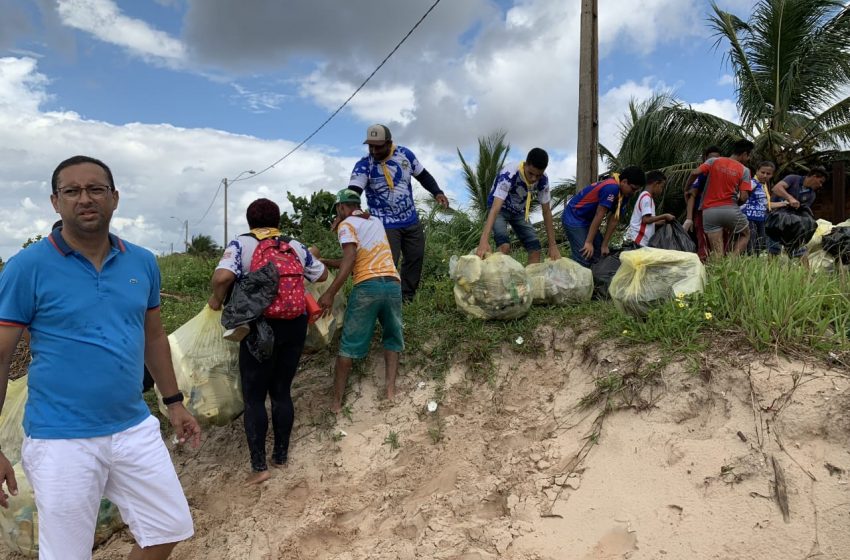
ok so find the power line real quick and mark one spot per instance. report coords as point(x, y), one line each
point(215, 196)
point(350, 97)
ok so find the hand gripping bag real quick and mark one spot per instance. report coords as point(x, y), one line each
point(559, 282)
point(19, 523)
point(648, 277)
point(207, 370)
point(322, 331)
point(496, 288)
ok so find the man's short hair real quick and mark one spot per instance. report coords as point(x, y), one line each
point(263, 213)
point(766, 163)
point(710, 150)
point(77, 160)
point(56, 224)
point(742, 146)
point(634, 175)
point(817, 171)
point(655, 176)
point(538, 158)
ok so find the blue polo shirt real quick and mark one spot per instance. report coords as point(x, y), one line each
point(88, 337)
point(393, 205)
point(582, 207)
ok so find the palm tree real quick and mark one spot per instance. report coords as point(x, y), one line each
point(666, 134)
point(492, 153)
point(203, 246)
point(791, 62)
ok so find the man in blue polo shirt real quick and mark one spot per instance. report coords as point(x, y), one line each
point(91, 304)
point(384, 175)
point(510, 203)
point(585, 211)
point(798, 192)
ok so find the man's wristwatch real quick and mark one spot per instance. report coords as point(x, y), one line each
point(176, 398)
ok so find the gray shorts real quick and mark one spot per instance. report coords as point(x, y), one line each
point(729, 218)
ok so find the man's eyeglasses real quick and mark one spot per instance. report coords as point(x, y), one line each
point(94, 191)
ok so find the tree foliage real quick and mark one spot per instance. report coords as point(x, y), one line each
point(310, 221)
point(203, 246)
point(492, 153)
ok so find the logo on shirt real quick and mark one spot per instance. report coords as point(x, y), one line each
point(610, 198)
point(405, 164)
point(133, 281)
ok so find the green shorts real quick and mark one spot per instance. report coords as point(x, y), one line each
point(370, 300)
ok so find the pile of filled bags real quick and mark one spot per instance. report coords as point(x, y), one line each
point(829, 246)
point(321, 332)
point(207, 370)
point(19, 523)
point(649, 277)
point(495, 288)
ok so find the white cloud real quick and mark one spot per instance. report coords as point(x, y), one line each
point(389, 104)
point(160, 170)
point(726, 80)
point(258, 101)
point(104, 20)
point(723, 108)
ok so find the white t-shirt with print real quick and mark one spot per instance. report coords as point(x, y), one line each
point(237, 257)
point(640, 232)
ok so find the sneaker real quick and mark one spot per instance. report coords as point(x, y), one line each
point(237, 333)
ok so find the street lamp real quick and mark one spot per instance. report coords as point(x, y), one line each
point(226, 182)
point(185, 224)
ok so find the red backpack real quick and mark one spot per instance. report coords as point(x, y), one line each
point(290, 302)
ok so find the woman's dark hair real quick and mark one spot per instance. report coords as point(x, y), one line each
point(263, 213)
point(77, 160)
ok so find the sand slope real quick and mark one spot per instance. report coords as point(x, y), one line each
point(667, 476)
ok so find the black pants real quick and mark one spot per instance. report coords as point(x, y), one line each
point(758, 239)
point(409, 244)
point(271, 378)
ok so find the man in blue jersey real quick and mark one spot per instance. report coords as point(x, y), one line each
point(510, 203)
point(585, 211)
point(384, 175)
point(91, 304)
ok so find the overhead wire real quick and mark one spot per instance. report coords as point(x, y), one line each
point(350, 97)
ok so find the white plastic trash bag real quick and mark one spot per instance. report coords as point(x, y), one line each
point(207, 370)
point(648, 277)
point(321, 333)
point(559, 282)
point(494, 288)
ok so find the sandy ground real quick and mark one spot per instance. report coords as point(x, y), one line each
point(519, 472)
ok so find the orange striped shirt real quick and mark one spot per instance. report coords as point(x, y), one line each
point(374, 258)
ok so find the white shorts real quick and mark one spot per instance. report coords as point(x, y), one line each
point(132, 469)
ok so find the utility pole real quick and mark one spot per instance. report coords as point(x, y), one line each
point(186, 236)
point(225, 212)
point(587, 154)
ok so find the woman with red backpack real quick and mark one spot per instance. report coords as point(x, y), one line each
point(272, 376)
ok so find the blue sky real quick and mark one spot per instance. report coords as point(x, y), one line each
point(176, 94)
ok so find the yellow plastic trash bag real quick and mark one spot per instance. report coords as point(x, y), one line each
point(19, 523)
point(648, 277)
point(12, 419)
point(814, 243)
point(322, 332)
point(207, 370)
point(494, 288)
point(559, 282)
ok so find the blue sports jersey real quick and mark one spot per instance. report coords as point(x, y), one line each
point(394, 206)
point(582, 207)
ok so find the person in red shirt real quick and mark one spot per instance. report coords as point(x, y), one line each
point(728, 185)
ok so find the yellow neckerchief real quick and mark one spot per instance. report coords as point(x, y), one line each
point(528, 187)
point(265, 233)
point(387, 175)
point(616, 177)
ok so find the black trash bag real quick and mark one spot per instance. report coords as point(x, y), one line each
point(673, 236)
point(603, 271)
point(250, 297)
point(793, 228)
point(837, 243)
